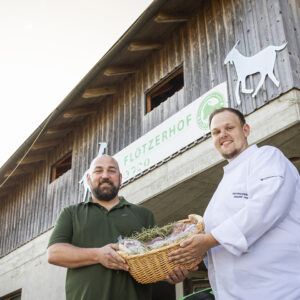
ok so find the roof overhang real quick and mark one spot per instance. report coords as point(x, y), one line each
point(146, 35)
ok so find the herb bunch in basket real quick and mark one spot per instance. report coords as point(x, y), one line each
point(153, 238)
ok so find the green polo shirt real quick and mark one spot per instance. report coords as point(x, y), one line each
point(90, 225)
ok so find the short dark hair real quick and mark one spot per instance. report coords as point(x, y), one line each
point(234, 111)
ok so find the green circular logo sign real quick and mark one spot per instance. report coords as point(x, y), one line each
point(211, 102)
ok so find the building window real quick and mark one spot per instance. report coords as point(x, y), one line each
point(12, 296)
point(61, 167)
point(164, 89)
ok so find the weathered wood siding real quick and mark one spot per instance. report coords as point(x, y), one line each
point(201, 45)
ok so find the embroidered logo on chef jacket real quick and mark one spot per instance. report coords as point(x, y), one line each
point(238, 195)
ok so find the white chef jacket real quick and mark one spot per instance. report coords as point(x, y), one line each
point(255, 216)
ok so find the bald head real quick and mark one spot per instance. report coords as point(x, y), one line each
point(104, 158)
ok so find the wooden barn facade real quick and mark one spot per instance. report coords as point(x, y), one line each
point(169, 58)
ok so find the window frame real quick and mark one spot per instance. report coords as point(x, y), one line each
point(153, 91)
point(59, 163)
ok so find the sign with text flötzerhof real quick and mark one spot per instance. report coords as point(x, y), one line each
point(178, 131)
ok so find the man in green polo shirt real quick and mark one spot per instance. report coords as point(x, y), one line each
point(85, 235)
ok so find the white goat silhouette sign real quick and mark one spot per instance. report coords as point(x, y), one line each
point(262, 62)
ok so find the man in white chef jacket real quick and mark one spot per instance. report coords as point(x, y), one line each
point(252, 222)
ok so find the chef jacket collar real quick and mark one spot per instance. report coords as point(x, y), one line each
point(235, 162)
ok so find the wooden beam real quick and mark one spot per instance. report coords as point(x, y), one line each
point(116, 71)
point(9, 183)
point(58, 130)
point(8, 190)
point(10, 186)
point(97, 92)
point(17, 172)
point(171, 18)
point(80, 111)
point(45, 144)
point(138, 46)
point(32, 159)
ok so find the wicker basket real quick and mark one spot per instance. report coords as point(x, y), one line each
point(154, 265)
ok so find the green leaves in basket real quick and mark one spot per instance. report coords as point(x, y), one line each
point(148, 234)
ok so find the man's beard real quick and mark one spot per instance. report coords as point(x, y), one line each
point(106, 193)
point(231, 155)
